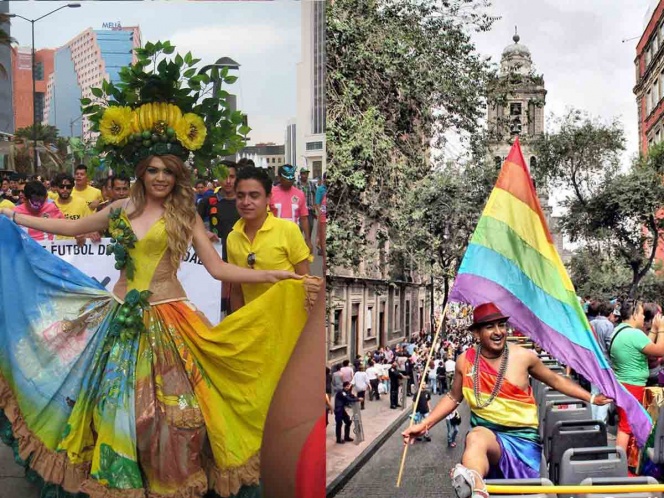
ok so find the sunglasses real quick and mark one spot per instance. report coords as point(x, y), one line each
point(67, 187)
point(251, 260)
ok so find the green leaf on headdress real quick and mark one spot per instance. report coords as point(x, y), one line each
point(164, 77)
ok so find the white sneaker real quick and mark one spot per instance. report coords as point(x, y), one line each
point(466, 483)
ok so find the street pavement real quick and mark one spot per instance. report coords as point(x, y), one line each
point(426, 473)
point(376, 418)
point(13, 483)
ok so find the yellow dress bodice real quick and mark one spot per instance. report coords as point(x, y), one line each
point(153, 268)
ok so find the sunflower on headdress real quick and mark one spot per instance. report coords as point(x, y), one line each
point(163, 104)
point(191, 131)
point(115, 125)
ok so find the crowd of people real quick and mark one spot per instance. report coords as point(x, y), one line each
point(73, 197)
point(475, 357)
point(386, 371)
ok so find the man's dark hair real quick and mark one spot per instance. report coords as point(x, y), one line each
point(346, 384)
point(627, 308)
point(229, 164)
point(34, 189)
point(121, 177)
point(61, 177)
point(606, 308)
point(593, 307)
point(245, 162)
point(199, 182)
point(346, 363)
point(649, 311)
point(82, 166)
point(253, 173)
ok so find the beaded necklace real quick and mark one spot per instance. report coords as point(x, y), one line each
point(499, 379)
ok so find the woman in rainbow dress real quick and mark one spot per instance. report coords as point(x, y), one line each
point(133, 393)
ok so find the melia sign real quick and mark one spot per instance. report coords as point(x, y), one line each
point(111, 25)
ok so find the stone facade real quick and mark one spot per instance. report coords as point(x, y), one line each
point(368, 308)
point(522, 114)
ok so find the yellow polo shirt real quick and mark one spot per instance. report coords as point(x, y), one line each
point(278, 245)
point(74, 209)
point(88, 194)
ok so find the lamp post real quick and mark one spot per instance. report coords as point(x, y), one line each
point(34, 79)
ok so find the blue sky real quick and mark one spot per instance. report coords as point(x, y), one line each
point(263, 37)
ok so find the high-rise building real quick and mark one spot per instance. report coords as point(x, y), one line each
point(310, 129)
point(649, 88)
point(22, 73)
point(290, 142)
point(6, 80)
point(81, 64)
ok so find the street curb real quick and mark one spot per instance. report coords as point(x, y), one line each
point(340, 481)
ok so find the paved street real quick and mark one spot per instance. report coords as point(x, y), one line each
point(13, 484)
point(427, 467)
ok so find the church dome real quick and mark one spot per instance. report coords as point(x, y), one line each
point(516, 48)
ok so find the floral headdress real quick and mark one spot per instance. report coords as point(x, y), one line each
point(164, 106)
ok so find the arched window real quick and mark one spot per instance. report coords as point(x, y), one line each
point(533, 163)
point(498, 162)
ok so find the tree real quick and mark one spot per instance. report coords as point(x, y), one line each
point(444, 209)
point(399, 75)
point(580, 155)
point(45, 133)
point(5, 39)
point(595, 273)
point(614, 211)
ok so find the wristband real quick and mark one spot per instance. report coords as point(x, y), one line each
point(592, 399)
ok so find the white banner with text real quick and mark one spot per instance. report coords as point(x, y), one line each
point(202, 290)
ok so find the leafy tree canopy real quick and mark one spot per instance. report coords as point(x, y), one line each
point(613, 210)
point(45, 133)
point(399, 75)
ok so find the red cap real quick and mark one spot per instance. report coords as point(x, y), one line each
point(486, 313)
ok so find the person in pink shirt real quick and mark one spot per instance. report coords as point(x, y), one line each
point(288, 202)
point(37, 204)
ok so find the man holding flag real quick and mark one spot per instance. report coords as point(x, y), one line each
point(493, 378)
point(511, 266)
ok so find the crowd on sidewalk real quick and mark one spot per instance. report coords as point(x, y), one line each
point(388, 370)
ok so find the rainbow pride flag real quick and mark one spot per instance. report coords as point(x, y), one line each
point(511, 260)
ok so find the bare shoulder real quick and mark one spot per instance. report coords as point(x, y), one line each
point(521, 353)
point(461, 360)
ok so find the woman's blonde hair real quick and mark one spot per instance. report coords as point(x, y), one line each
point(180, 213)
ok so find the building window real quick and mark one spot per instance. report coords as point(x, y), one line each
point(655, 93)
point(655, 45)
point(368, 322)
point(648, 102)
point(314, 145)
point(39, 107)
point(397, 317)
point(317, 167)
point(39, 71)
point(336, 338)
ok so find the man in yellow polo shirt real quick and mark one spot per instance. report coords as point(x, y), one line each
point(73, 208)
point(258, 239)
point(92, 196)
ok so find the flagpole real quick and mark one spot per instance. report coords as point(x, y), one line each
point(419, 390)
